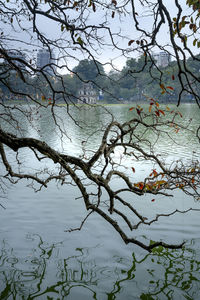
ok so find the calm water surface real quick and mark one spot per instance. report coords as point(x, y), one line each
point(39, 260)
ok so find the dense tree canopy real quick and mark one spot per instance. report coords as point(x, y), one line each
point(87, 37)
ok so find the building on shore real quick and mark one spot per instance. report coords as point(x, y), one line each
point(162, 59)
point(87, 94)
point(46, 61)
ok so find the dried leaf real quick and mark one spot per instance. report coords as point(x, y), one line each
point(93, 7)
point(155, 173)
point(161, 182)
point(161, 111)
point(130, 42)
point(140, 185)
point(75, 4)
point(170, 88)
point(157, 113)
point(114, 2)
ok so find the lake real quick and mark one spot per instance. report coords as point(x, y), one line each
point(40, 260)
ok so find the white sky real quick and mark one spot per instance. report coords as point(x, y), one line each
point(125, 25)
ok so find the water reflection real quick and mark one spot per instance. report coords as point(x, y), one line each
point(48, 272)
point(39, 123)
point(93, 119)
point(39, 270)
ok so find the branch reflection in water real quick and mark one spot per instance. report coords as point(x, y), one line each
point(43, 274)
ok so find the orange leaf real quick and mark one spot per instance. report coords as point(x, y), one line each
point(157, 104)
point(150, 107)
point(155, 173)
point(141, 185)
point(131, 108)
point(170, 88)
point(161, 182)
point(162, 86)
point(161, 111)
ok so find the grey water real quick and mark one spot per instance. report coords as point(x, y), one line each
point(40, 260)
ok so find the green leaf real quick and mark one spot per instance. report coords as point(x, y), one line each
point(194, 42)
point(80, 41)
point(62, 27)
point(158, 249)
point(49, 252)
point(151, 242)
point(146, 297)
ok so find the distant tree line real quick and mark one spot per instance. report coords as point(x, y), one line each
point(139, 78)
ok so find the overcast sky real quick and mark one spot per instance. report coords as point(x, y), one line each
point(122, 23)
